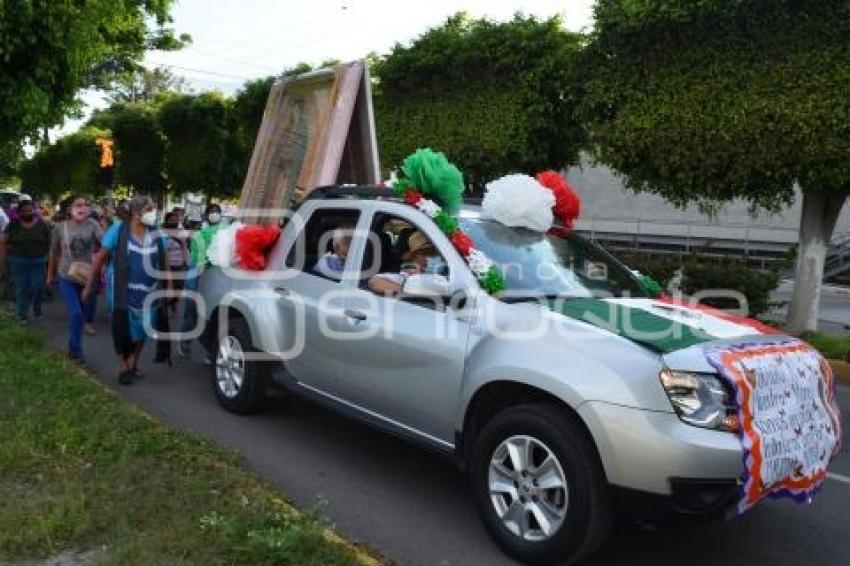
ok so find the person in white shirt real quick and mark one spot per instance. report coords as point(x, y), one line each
point(332, 264)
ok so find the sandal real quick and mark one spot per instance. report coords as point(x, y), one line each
point(137, 373)
point(125, 377)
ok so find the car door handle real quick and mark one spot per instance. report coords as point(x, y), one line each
point(356, 315)
point(283, 291)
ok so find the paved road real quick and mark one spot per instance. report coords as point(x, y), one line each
point(413, 506)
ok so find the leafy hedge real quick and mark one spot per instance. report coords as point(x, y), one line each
point(832, 346)
point(496, 97)
point(701, 273)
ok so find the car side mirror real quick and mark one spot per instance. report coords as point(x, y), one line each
point(426, 285)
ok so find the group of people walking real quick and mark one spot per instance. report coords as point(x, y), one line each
point(128, 256)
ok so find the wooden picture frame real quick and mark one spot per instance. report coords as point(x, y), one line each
point(318, 129)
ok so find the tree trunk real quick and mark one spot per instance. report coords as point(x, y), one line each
point(820, 212)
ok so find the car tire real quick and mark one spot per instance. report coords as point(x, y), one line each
point(239, 384)
point(521, 507)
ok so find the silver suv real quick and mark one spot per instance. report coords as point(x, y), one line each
point(560, 424)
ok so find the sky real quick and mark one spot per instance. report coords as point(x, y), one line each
point(238, 40)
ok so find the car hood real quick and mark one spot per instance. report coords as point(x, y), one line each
point(675, 330)
point(622, 365)
point(693, 358)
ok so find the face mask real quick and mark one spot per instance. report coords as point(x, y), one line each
point(214, 217)
point(435, 266)
point(80, 213)
point(149, 218)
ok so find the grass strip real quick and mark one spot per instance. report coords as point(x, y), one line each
point(832, 346)
point(80, 469)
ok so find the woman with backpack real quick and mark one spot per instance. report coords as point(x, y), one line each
point(27, 245)
point(136, 254)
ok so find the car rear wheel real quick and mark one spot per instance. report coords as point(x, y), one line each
point(239, 382)
point(539, 486)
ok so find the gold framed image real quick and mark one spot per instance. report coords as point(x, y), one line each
point(318, 129)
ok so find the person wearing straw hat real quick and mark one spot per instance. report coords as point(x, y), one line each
point(421, 257)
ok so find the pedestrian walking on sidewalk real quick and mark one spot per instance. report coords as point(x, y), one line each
point(197, 263)
point(27, 244)
point(139, 267)
point(70, 266)
point(177, 252)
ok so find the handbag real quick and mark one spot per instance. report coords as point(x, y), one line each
point(79, 272)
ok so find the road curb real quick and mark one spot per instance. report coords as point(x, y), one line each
point(841, 370)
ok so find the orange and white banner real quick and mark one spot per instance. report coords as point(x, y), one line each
point(790, 421)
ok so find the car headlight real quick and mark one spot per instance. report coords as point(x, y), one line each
point(700, 399)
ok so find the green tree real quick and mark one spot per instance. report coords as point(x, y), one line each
point(714, 100)
point(50, 49)
point(71, 164)
point(496, 97)
point(198, 138)
point(139, 148)
point(247, 115)
point(140, 84)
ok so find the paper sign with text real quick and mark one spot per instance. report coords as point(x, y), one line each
point(790, 421)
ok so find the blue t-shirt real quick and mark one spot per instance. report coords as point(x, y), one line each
point(142, 265)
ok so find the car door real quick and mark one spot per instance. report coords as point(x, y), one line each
point(403, 360)
point(312, 304)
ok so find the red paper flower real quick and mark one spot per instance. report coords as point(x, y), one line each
point(567, 202)
point(253, 243)
point(412, 197)
point(462, 243)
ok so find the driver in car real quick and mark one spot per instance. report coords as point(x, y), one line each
point(421, 257)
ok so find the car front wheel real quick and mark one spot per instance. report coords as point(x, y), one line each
point(539, 486)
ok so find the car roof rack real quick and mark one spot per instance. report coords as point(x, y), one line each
point(364, 191)
point(350, 191)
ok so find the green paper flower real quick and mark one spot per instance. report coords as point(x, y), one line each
point(445, 222)
point(492, 281)
point(439, 180)
point(399, 186)
point(650, 286)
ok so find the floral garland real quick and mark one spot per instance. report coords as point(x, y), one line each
point(487, 274)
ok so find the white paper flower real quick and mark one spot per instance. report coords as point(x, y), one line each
point(478, 262)
point(429, 207)
point(519, 200)
point(222, 250)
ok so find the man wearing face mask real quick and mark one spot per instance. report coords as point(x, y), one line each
point(139, 267)
point(421, 258)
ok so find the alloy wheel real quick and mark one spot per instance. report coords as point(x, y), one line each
point(230, 366)
point(528, 488)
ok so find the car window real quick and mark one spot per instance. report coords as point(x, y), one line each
point(552, 263)
point(322, 245)
point(396, 250)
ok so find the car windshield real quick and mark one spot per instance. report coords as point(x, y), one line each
point(557, 263)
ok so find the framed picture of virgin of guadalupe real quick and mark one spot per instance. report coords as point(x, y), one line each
point(318, 129)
